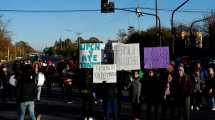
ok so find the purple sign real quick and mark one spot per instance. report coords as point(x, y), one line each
point(156, 57)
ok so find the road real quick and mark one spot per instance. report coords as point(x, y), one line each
point(54, 108)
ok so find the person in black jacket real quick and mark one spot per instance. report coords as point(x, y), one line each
point(25, 92)
point(85, 84)
point(210, 88)
point(153, 94)
point(168, 94)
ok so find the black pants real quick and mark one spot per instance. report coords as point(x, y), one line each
point(168, 109)
point(87, 105)
point(68, 92)
point(183, 108)
point(136, 109)
point(153, 111)
point(196, 99)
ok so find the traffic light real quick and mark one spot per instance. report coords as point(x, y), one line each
point(107, 7)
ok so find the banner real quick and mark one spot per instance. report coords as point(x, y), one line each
point(156, 57)
point(90, 54)
point(105, 73)
point(127, 56)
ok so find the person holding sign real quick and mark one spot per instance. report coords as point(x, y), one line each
point(85, 84)
point(153, 94)
point(135, 94)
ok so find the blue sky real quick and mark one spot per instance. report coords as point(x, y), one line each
point(42, 29)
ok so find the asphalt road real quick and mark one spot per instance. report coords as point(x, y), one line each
point(54, 108)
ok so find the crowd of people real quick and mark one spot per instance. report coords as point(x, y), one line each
point(167, 94)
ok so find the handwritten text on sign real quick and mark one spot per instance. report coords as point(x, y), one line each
point(127, 56)
point(105, 73)
point(156, 57)
point(90, 54)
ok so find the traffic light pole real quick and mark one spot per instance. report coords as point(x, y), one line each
point(173, 30)
point(144, 13)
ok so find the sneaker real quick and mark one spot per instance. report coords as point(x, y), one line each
point(192, 107)
point(90, 118)
point(69, 102)
point(213, 109)
point(197, 108)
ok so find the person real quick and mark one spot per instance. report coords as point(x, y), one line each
point(68, 78)
point(210, 87)
point(203, 75)
point(183, 92)
point(4, 77)
point(85, 85)
point(25, 93)
point(39, 79)
point(168, 93)
point(61, 66)
point(153, 93)
point(50, 76)
point(196, 90)
point(110, 101)
point(135, 93)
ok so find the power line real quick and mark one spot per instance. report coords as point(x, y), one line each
point(97, 10)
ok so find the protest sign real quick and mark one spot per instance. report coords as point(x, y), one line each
point(105, 73)
point(156, 57)
point(127, 56)
point(90, 54)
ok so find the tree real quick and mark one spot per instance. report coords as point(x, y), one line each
point(23, 48)
point(5, 42)
point(149, 38)
point(121, 35)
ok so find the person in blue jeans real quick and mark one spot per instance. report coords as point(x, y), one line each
point(25, 92)
point(22, 109)
point(110, 101)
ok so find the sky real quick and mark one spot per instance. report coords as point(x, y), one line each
point(41, 30)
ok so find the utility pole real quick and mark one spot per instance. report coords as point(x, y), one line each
point(8, 53)
point(156, 12)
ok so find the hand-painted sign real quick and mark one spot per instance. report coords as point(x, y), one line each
point(156, 57)
point(90, 54)
point(127, 56)
point(104, 73)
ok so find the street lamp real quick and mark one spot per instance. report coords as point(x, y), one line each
point(191, 27)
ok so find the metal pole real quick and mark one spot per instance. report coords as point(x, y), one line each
point(172, 25)
point(156, 12)
point(151, 14)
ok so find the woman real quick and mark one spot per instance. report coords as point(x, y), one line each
point(168, 93)
point(40, 78)
point(183, 91)
point(135, 88)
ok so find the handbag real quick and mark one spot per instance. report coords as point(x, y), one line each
point(40, 79)
point(12, 80)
